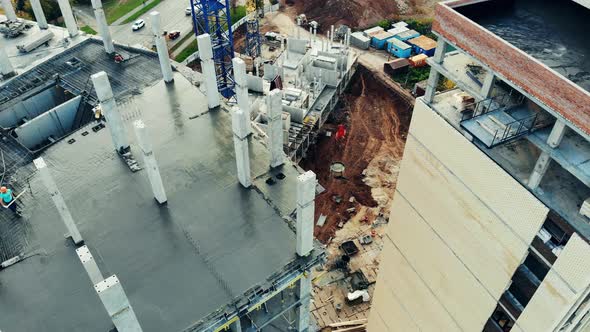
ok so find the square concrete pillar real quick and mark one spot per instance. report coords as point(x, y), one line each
point(117, 305)
point(306, 184)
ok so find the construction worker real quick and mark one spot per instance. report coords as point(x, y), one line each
point(7, 199)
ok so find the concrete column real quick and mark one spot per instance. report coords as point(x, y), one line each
point(236, 326)
point(488, 85)
point(206, 55)
point(110, 111)
point(556, 134)
point(305, 212)
point(116, 303)
point(274, 106)
point(433, 79)
point(149, 159)
point(161, 47)
point(9, 10)
point(241, 130)
point(540, 168)
point(39, 14)
point(68, 15)
point(331, 34)
point(304, 310)
point(242, 88)
point(89, 264)
point(440, 51)
point(58, 200)
point(5, 65)
point(103, 27)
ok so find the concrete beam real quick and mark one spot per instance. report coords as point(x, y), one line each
point(68, 15)
point(149, 159)
point(306, 184)
point(39, 14)
point(241, 130)
point(488, 85)
point(5, 65)
point(241, 80)
point(274, 106)
point(541, 167)
point(304, 310)
point(103, 27)
point(9, 10)
point(208, 67)
point(58, 200)
point(117, 304)
point(433, 79)
point(556, 134)
point(161, 47)
point(89, 264)
point(110, 110)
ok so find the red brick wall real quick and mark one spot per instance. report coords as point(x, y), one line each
point(532, 76)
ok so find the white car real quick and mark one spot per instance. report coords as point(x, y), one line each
point(138, 25)
point(188, 12)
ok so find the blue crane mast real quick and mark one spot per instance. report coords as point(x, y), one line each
point(213, 17)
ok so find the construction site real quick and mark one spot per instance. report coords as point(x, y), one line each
point(334, 165)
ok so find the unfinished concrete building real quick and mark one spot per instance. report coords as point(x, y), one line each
point(143, 208)
point(313, 73)
point(490, 224)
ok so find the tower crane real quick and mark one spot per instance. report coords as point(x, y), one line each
point(253, 40)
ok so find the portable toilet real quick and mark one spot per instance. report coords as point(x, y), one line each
point(378, 41)
point(409, 34)
point(423, 45)
point(373, 31)
point(397, 30)
point(358, 39)
point(399, 48)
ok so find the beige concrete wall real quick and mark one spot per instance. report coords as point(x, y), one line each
point(459, 228)
point(562, 287)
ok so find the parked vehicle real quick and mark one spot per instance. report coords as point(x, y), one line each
point(188, 12)
point(138, 25)
point(173, 34)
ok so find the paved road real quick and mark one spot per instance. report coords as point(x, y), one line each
point(172, 16)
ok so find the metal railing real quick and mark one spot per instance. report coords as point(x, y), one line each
point(514, 129)
point(491, 104)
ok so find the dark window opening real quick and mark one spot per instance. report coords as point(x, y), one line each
point(499, 322)
point(536, 266)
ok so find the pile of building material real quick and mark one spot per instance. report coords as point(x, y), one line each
point(343, 290)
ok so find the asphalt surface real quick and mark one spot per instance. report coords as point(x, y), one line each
point(172, 17)
point(171, 14)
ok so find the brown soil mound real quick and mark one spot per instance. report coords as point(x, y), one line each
point(360, 13)
point(377, 122)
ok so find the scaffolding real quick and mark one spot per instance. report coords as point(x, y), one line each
point(213, 17)
point(253, 40)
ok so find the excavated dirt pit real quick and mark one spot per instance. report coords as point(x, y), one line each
point(376, 122)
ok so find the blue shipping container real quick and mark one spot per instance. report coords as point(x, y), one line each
point(399, 48)
point(378, 41)
point(403, 36)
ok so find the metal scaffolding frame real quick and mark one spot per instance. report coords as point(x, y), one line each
point(253, 40)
